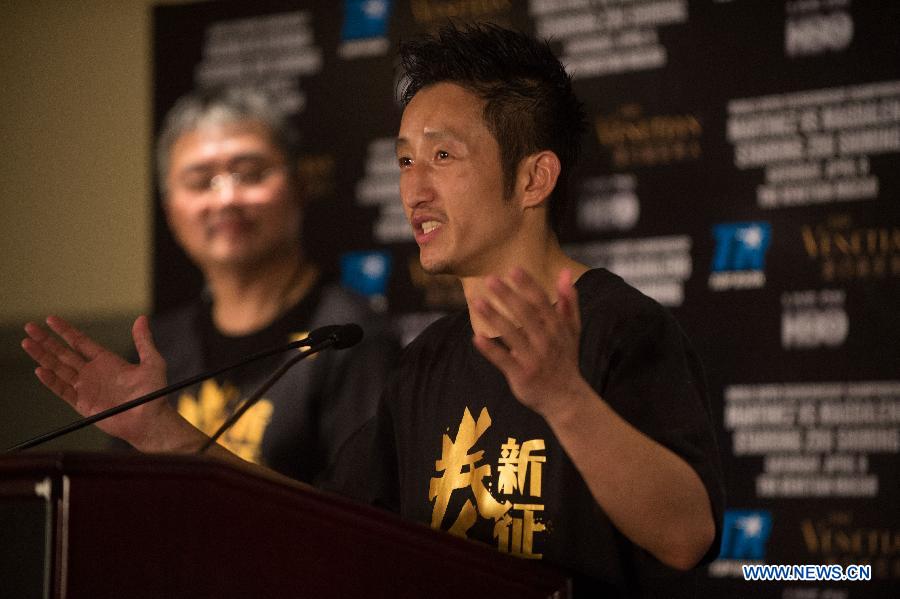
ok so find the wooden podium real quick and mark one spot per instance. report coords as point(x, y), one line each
point(115, 525)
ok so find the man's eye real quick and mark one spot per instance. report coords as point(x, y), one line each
point(442, 155)
point(251, 175)
point(404, 161)
point(197, 183)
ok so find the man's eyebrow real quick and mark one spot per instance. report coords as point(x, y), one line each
point(202, 165)
point(433, 134)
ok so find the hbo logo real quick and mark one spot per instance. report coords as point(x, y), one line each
point(813, 328)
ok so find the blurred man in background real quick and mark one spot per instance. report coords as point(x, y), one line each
point(227, 168)
point(228, 174)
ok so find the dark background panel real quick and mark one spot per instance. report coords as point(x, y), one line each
point(724, 51)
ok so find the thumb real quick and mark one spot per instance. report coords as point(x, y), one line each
point(143, 341)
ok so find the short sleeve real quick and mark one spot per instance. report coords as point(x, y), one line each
point(655, 381)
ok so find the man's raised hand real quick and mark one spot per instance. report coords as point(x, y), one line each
point(539, 355)
point(91, 378)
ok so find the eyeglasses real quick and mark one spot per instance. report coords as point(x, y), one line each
point(244, 177)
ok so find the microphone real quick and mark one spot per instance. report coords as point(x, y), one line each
point(338, 336)
point(347, 335)
point(322, 333)
point(341, 336)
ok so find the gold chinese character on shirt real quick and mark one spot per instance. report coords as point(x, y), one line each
point(515, 531)
point(518, 464)
point(460, 470)
point(514, 466)
point(519, 474)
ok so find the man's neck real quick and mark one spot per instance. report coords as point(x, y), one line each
point(246, 300)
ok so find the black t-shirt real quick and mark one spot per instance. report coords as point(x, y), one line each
point(460, 453)
point(303, 420)
point(219, 349)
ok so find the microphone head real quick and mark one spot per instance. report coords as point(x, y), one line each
point(317, 336)
point(347, 335)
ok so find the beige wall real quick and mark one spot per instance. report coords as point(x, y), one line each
point(75, 213)
point(75, 225)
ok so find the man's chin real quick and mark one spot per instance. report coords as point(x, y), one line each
point(434, 266)
point(235, 258)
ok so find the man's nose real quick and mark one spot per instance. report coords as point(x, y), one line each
point(416, 186)
point(225, 188)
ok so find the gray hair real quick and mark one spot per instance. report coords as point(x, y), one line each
point(230, 105)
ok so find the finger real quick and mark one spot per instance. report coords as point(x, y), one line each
point(49, 361)
point(512, 335)
point(525, 309)
point(76, 339)
point(540, 319)
point(143, 341)
point(543, 310)
point(59, 388)
point(50, 344)
point(529, 288)
point(496, 355)
point(567, 302)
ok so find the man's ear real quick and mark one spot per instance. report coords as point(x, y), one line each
point(537, 177)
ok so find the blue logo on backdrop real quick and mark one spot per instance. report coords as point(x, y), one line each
point(366, 273)
point(745, 534)
point(365, 19)
point(740, 257)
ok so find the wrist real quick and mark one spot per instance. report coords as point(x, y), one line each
point(568, 405)
point(169, 432)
